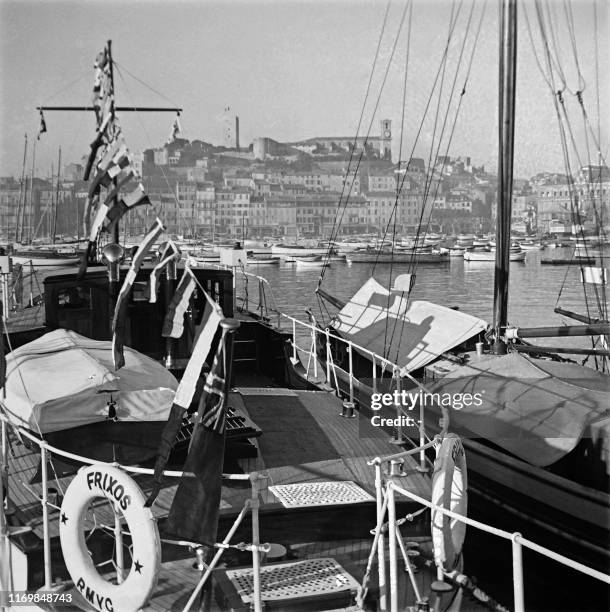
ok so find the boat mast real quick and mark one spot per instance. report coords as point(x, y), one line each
point(21, 190)
point(114, 108)
point(506, 137)
point(56, 198)
point(31, 205)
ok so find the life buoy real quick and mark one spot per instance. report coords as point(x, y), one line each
point(449, 491)
point(116, 486)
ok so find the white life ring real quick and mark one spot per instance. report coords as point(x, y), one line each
point(449, 490)
point(109, 482)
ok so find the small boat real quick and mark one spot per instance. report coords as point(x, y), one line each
point(311, 262)
point(295, 250)
point(562, 261)
point(418, 255)
point(262, 260)
point(489, 254)
point(456, 251)
point(203, 257)
point(531, 245)
point(47, 257)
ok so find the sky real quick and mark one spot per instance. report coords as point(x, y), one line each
point(295, 69)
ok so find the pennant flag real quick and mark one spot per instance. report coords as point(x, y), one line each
point(94, 146)
point(176, 129)
point(195, 507)
point(84, 262)
point(114, 192)
point(173, 326)
point(204, 335)
point(43, 126)
point(100, 215)
point(156, 272)
point(120, 309)
point(129, 202)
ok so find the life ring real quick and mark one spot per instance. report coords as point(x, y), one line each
point(449, 491)
point(110, 482)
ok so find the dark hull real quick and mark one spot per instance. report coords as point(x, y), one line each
point(555, 511)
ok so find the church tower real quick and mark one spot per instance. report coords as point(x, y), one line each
point(385, 143)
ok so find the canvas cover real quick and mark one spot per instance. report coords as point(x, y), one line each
point(408, 334)
point(536, 409)
point(63, 380)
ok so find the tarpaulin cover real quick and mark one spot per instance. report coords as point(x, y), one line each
point(536, 409)
point(63, 380)
point(408, 334)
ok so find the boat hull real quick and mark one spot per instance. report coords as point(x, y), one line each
point(296, 251)
point(41, 261)
point(397, 257)
point(490, 256)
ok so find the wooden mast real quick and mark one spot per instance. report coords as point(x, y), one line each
point(21, 190)
point(506, 137)
point(56, 197)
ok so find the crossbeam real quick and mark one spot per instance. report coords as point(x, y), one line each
point(144, 109)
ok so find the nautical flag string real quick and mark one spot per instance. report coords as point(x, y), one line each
point(175, 130)
point(43, 126)
point(204, 336)
point(212, 406)
point(120, 310)
point(171, 251)
point(173, 325)
point(193, 515)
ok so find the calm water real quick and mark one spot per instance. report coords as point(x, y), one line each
point(533, 290)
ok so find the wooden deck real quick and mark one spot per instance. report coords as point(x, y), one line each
point(304, 440)
point(347, 444)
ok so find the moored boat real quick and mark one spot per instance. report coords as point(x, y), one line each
point(46, 257)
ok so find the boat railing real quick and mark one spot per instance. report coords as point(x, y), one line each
point(386, 501)
point(258, 298)
point(398, 374)
point(47, 451)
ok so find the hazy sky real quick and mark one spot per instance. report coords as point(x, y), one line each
point(291, 69)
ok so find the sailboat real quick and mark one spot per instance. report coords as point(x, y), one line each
point(535, 436)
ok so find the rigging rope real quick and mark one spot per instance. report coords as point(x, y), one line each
point(351, 157)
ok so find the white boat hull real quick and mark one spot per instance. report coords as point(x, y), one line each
point(46, 262)
point(490, 256)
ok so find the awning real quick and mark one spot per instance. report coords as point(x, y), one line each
point(63, 380)
point(408, 334)
point(538, 410)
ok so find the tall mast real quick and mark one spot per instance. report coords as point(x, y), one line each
point(31, 206)
point(506, 138)
point(56, 197)
point(21, 190)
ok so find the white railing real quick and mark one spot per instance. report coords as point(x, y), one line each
point(46, 449)
point(377, 361)
point(264, 290)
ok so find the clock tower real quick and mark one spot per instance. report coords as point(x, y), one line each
point(385, 143)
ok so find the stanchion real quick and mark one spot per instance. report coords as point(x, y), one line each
point(392, 546)
point(383, 595)
point(256, 559)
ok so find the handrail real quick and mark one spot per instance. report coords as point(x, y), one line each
point(513, 537)
point(87, 460)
